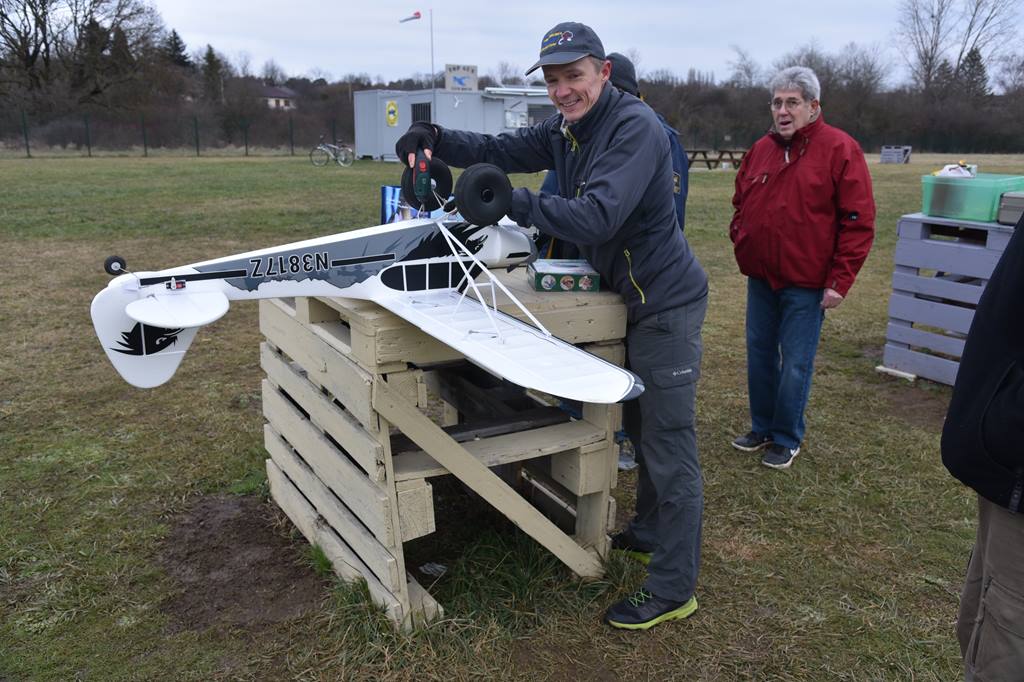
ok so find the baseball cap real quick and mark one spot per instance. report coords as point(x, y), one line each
point(623, 74)
point(567, 42)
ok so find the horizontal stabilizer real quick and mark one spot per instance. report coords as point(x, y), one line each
point(144, 354)
point(179, 310)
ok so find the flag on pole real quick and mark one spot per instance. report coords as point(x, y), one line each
point(415, 15)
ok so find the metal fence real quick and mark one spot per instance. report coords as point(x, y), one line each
point(157, 133)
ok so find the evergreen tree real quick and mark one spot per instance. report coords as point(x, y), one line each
point(944, 83)
point(973, 76)
point(173, 50)
point(213, 72)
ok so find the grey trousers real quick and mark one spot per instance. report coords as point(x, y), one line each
point(665, 351)
point(990, 625)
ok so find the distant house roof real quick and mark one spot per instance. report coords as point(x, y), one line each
point(275, 92)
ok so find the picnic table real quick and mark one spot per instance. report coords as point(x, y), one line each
point(714, 158)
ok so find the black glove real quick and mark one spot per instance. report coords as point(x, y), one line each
point(421, 135)
point(519, 207)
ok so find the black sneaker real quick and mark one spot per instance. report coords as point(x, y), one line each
point(624, 542)
point(643, 610)
point(751, 442)
point(779, 456)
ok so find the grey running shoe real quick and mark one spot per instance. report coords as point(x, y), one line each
point(751, 442)
point(779, 456)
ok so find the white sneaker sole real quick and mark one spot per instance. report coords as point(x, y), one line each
point(782, 466)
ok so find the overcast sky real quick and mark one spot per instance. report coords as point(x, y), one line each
point(339, 38)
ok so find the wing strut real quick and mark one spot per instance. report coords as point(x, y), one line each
point(460, 251)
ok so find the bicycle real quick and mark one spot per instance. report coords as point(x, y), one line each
point(324, 152)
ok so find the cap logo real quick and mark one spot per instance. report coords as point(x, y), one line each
point(555, 38)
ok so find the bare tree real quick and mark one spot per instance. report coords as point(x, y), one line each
point(862, 70)
point(1011, 74)
point(49, 49)
point(633, 55)
point(508, 73)
point(985, 26)
point(272, 73)
point(746, 73)
point(935, 30)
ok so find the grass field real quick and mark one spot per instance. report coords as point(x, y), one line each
point(846, 567)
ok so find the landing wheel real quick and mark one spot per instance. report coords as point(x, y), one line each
point(483, 194)
point(114, 265)
point(440, 181)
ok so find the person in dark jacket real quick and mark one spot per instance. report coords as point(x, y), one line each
point(614, 202)
point(623, 77)
point(983, 446)
point(803, 224)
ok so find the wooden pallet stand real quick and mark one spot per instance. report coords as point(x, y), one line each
point(941, 268)
point(363, 410)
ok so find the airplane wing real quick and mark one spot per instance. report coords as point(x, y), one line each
point(512, 349)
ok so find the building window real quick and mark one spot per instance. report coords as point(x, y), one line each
point(277, 103)
point(421, 112)
point(539, 112)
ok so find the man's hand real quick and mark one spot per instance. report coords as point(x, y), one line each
point(830, 299)
point(421, 135)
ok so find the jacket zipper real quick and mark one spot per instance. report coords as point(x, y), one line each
point(629, 263)
point(551, 242)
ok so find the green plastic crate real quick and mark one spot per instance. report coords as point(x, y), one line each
point(974, 198)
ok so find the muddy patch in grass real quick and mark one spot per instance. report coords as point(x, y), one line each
point(920, 404)
point(234, 565)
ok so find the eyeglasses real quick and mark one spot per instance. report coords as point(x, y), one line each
point(790, 104)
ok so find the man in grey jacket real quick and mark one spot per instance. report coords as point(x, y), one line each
point(615, 203)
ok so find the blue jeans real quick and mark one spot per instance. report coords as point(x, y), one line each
point(783, 328)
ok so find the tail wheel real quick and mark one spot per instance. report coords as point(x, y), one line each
point(483, 194)
point(318, 157)
point(114, 265)
point(346, 156)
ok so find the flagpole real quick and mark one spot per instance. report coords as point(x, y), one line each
point(433, 85)
point(433, 89)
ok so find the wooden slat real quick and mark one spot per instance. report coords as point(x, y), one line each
point(921, 364)
point(582, 474)
point(931, 313)
point(325, 414)
point(345, 563)
point(961, 259)
point(481, 480)
point(365, 498)
point(423, 608)
point(340, 518)
point(497, 450)
point(938, 287)
point(415, 508)
point(324, 365)
point(950, 345)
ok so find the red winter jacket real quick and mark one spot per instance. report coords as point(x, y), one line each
point(804, 213)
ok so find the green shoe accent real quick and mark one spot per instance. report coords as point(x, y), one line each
point(636, 555)
point(685, 611)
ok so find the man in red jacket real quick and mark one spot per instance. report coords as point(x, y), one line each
point(803, 224)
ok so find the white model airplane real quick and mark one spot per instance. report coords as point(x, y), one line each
point(421, 270)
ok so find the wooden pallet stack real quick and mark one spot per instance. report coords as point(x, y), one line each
point(362, 410)
point(941, 268)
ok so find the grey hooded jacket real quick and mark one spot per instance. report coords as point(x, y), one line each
point(615, 197)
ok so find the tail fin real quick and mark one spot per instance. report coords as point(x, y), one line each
point(144, 355)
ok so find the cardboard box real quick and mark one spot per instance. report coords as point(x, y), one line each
point(559, 274)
